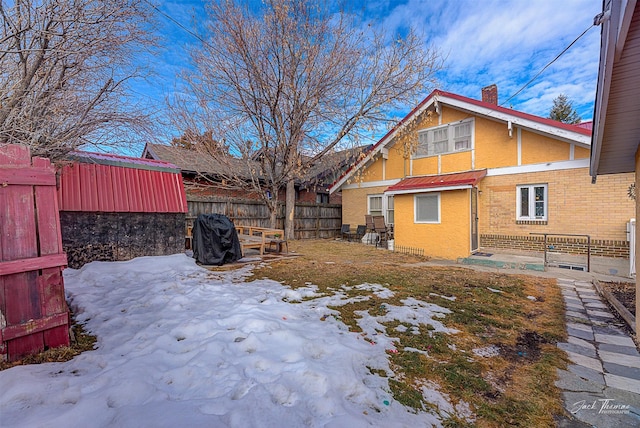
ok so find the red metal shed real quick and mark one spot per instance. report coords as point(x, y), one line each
point(98, 182)
point(116, 207)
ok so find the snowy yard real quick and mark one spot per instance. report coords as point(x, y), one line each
point(179, 345)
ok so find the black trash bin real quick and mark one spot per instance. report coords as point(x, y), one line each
point(215, 240)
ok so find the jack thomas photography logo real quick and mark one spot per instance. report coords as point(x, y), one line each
point(604, 406)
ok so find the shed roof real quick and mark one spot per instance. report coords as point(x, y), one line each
point(433, 183)
point(97, 182)
point(122, 161)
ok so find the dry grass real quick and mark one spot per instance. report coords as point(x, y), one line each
point(515, 388)
point(82, 342)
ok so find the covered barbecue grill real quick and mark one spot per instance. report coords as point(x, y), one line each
point(215, 240)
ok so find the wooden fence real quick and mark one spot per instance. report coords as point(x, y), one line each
point(33, 310)
point(311, 220)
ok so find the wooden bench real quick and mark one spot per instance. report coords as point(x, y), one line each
point(258, 237)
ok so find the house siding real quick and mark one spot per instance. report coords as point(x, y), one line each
point(574, 206)
point(449, 239)
point(493, 146)
point(353, 213)
point(396, 166)
point(538, 148)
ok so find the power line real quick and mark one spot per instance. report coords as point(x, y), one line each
point(175, 21)
point(547, 66)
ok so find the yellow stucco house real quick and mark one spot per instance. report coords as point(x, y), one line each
point(457, 175)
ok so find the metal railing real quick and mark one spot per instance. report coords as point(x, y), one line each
point(566, 234)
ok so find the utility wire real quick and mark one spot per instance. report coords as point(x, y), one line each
point(175, 21)
point(547, 66)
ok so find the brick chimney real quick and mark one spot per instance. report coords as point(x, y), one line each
point(490, 94)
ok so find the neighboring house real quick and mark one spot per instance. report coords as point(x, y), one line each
point(616, 127)
point(458, 174)
point(203, 179)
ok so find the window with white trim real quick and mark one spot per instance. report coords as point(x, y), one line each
point(427, 208)
point(531, 202)
point(450, 138)
point(375, 205)
point(381, 205)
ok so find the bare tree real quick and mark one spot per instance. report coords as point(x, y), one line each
point(64, 65)
point(291, 78)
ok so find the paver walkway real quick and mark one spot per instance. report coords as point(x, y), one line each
point(602, 385)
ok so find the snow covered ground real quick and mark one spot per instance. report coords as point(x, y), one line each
point(181, 346)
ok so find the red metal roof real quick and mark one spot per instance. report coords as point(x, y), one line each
point(467, 178)
point(126, 187)
point(569, 127)
point(586, 125)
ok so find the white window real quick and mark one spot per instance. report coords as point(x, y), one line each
point(444, 139)
point(531, 203)
point(462, 136)
point(375, 205)
point(389, 217)
point(381, 205)
point(427, 208)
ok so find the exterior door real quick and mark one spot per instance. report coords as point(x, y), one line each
point(474, 219)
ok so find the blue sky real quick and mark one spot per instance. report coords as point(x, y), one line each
point(505, 42)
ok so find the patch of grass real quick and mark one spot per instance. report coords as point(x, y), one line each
point(406, 394)
point(513, 388)
point(82, 342)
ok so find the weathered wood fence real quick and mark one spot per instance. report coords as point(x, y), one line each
point(311, 220)
point(33, 311)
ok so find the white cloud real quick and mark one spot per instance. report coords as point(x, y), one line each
point(507, 43)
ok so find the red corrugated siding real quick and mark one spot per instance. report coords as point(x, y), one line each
point(107, 188)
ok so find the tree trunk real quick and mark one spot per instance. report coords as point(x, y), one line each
point(273, 216)
point(290, 207)
point(272, 204)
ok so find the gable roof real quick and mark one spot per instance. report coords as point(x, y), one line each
point(322, 173)
point(190, 161)
point(616, 130)
point(570, 133)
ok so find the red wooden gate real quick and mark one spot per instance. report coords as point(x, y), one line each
point(33, 311)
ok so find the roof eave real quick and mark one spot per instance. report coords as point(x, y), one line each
point(428, 189)
point(424, 104)
point(605, 72)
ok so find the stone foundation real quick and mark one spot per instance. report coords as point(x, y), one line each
point(89, 236)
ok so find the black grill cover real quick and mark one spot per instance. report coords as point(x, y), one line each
point(215, 240)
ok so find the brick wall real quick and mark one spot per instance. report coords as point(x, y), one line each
point(575, 206)
point(570, 245)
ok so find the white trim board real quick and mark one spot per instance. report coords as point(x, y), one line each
point(368, 184)
point(539, 167)
point(429, 190)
